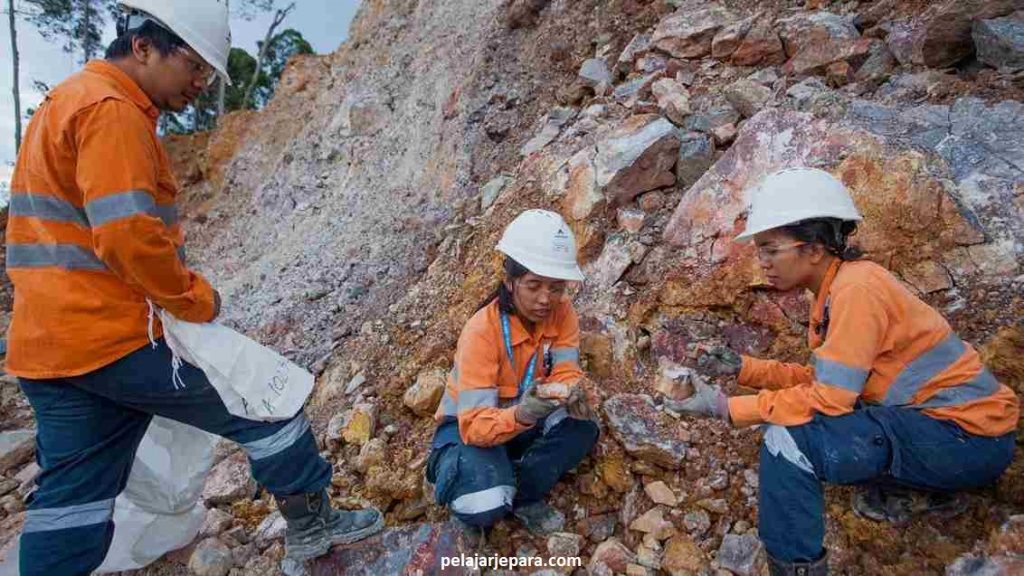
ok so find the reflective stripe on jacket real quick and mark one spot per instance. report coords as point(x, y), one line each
point(883, 346)
point(483, 385)
point(93, 230)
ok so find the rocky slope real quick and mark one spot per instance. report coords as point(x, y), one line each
point(352, 224)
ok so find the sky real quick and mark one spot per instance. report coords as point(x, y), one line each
point(324, 23)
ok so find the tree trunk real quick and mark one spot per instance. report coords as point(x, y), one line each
point(278, 19)
point(15, 65)
point(87, 48)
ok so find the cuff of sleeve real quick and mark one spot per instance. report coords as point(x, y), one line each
point(201, 307)
point(744, 412)
point(747, 376)
point(514, 424)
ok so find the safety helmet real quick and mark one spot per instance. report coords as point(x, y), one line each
point(794, 194)
point(542, 242)
point(202, 24)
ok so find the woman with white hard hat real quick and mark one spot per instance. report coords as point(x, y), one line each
point(892, 399)
point(512, 420)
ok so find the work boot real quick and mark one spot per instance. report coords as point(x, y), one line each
point(313, 526)
point(817, 568)
point(898, 506)
point(539, 518)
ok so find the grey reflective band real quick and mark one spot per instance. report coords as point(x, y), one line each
point(75, 516)
point(840, 375)
point(484, 500)
point(448, 407)
point(117, 206)
point(455, 374)
point(477, 398)
point(559, 355)
point(922, 369)
point(181, 254)
point(554, 419)
point(67, 256)
point(278, 441)
point(46, 207)
point(779, 442)
point(166, 212)
point(981, 386)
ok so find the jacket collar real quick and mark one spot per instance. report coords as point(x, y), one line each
point(814, 338)
point(520, 334)
point(125, 85)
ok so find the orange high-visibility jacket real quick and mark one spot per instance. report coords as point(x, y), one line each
point(483, 385)
point(883, 346)
point(93, 230)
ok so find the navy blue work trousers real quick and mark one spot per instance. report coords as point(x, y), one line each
point(88, 428)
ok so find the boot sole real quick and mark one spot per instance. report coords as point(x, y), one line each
point(350, 537)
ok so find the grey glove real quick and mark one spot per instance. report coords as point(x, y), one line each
point(532, 408)
point(577, 405)
point(706, 401)
point(720, 361)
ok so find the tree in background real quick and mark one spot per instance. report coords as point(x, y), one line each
point(76, 24)
point(15, 64)
point(277, 20)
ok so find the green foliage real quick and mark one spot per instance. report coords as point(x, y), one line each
point(76, 25)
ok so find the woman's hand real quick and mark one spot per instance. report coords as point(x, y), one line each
point(706, 401)
point(720, 361)
point(577, 405)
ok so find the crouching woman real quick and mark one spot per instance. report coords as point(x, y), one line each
point(893, 399)
point(511, 421)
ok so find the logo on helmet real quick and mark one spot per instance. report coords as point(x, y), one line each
point(560, 242)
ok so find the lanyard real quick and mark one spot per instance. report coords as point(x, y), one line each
point(531, 368)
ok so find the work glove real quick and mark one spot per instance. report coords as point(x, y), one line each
point(706, 401)
point(720, 361)
point(577, 405)
point(532, 408)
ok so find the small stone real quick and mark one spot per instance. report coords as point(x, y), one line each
point(660, 493)
point(216, 521)
point(760, 46)
point(673, 99)
point(355, 383)
point(229, 481)
point(1000, 41)
point(729, 39)
point(631, 91)
point(425, 394)
point(630, 220)
point(373, 453)
point(27, 478)
point(654, 523)
point(492, 190)
point(8, 485)
point(741, 527)
point(565, 545)
point(747, 96)
point(334, 427)
point(598, 528)
point(715, 506)
point(697, 522)
point(682, 557)
point(614, 472)
point(616, 257)
point(360, 423)
point(613, 554)
point(210, 558)
point(16, 448)
point(652, 201)
point(673, 381)
point(595, 73)
point(12, 504)
point(838, 74)
point(640, 44)
point(806, 30)
point(740, 554)
point(242, 555)
point(637, 570)
point(272, 528)
point(724, 134)
point(696, 155)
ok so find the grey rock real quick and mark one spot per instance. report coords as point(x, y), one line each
point(616, 257)
point(216, 522)
point(550, 129)
point(801, 30)
point(630, 91)
point(594, 73)
point(210, 558)
point(879, 65)
point(696, 154)
point(272, 528)
point(492, 190)
point(355, 383)
point(229, 481)
point(982, 565)
point(697, 522)
point(633, 421)
point(747, 96)
point(16, 448)
point(765, 76)
point(688, 32)
point(637, 157)
point(640, 44)
point(1000, 41)
point(673, 99)
point(740, 554)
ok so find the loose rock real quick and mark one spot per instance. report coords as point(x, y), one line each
point(16, 448)
point(425, 394)
point(230, 481)
point(673, 99)
point(633, 422)
point(747, 97)
point(740, 554)
point(1000, 41)
point(689, 33)
point(595, 73)
point(210, 558)
point(637, 157)
point(613, 554)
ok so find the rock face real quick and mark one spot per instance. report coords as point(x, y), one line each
point(1000, 41)
point(634, 423)
point(16, 448)
point(941, 35)
point(416, 549)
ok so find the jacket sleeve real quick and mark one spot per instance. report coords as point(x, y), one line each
point(481, 422)
point(772, 374)
point(565, 350)
point(841, 366)
point(117, 168)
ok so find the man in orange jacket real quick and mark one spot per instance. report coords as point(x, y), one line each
point(93, 239)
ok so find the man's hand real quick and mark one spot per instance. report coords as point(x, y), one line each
point(532, 408)
point(706, 401)
point(577, 405)
point(720, 361)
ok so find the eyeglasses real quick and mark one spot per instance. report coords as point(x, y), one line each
point(198, 68)
point(765, 253)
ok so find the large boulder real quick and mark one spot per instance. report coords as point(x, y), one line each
point(1000, 41)
point(941, 35)
point(935, 183)
point(643, 432)
point(637, 157)
point(688, 33)
point(807, 29)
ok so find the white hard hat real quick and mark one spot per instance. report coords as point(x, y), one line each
point(794, 194)
point(202, 24)
point(543, 243)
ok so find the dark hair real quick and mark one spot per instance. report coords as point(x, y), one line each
point(162, 39)
point(513, 270)
point(832, 233)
